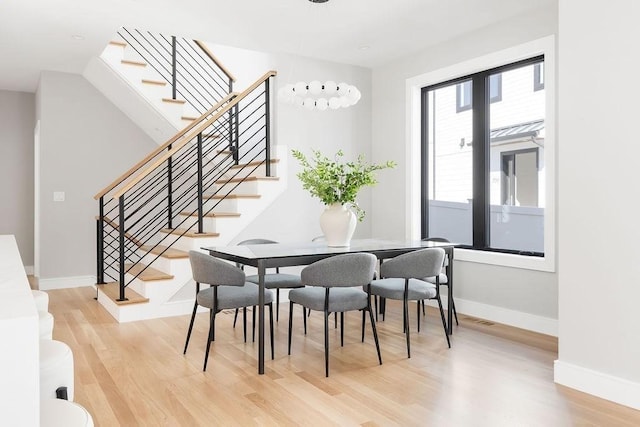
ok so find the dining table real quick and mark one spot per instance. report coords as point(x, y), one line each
point(264, 256)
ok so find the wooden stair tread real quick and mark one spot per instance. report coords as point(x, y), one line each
point(256, 163)
point(136, 63)
point(233, 196)
point(117, 43)
point(112, 290)
point(213, 214)
point(188, 233)
point(248, 179)
point(188, 118)
point(154, 82)
point(170, 253)
point(149, 273)
point(174, 101)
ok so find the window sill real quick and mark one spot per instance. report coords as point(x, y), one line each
point(545, 263)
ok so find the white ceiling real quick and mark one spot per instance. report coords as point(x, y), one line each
point(37, 35)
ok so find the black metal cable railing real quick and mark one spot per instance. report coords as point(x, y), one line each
point(143, 217)
point(194, 75)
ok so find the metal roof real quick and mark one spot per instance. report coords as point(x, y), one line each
point(517, 131)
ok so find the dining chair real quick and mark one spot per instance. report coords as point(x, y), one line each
point(275, 280)
point(402, 280)
point(444, 280)
point(336, 284)
point(228, 289)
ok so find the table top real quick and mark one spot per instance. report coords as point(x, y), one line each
point(306, 250)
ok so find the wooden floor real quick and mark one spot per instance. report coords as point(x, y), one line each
point(134, 374)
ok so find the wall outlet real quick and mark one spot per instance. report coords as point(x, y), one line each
point(58, 196)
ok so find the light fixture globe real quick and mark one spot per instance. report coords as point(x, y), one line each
point(320, 96)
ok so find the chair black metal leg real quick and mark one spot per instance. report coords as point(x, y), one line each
point(444, 322)
point(326, 342)
point(424, 313)
point(212, 327)
point(418, 310)
point(342, 329)
point(335, 320)
point(406, 328)
point(375, 302)
point(244, 323)
point(304, 317)
point(375, 333)
point(383, 306)
point(455, 313)
point(235, 317)
point(253, 324)
point(290, 325)
point(277, 304)
point(193, 317)
point(363, 317)
point(270, 327)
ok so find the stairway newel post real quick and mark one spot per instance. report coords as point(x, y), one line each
point(100, 243)
point(174, 74)
point(200, 205)
point(121, 240)
point(169, 190)
point(267, 117)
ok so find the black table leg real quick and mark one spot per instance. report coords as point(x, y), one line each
point(261, 272)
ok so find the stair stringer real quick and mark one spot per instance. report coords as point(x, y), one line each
point(175, 297)
point(129, 100)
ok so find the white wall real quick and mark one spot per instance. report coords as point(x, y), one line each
point(598, 220)
point(86, 142)
point(525, 298)
point(295, 215)
point(17, 121)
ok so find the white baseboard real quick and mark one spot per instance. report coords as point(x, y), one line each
point(605, 386)
point(518, 319)
point(29, 270)
point(66, 282)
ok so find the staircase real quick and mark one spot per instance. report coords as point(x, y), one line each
point(199, 188)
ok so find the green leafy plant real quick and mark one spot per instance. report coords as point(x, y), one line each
point(336, 181)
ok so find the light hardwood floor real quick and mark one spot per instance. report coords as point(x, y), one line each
point(134, 374)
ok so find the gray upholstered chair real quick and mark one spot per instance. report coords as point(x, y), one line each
point(228, 289)
point(401, 281)
point(275, 280)
point(336, 284)
point(444, 280)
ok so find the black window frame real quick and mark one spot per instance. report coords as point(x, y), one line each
point(480, 106)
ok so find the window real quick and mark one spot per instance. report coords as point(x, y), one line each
point(520, 178)
point(483, 173)
point(538, 77)
point(495, 87)
point(464, 94)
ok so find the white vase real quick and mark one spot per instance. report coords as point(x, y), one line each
point(338, 224)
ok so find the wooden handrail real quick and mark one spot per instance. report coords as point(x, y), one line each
point(162, 147)
point(192, 135)
point(215, 60)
